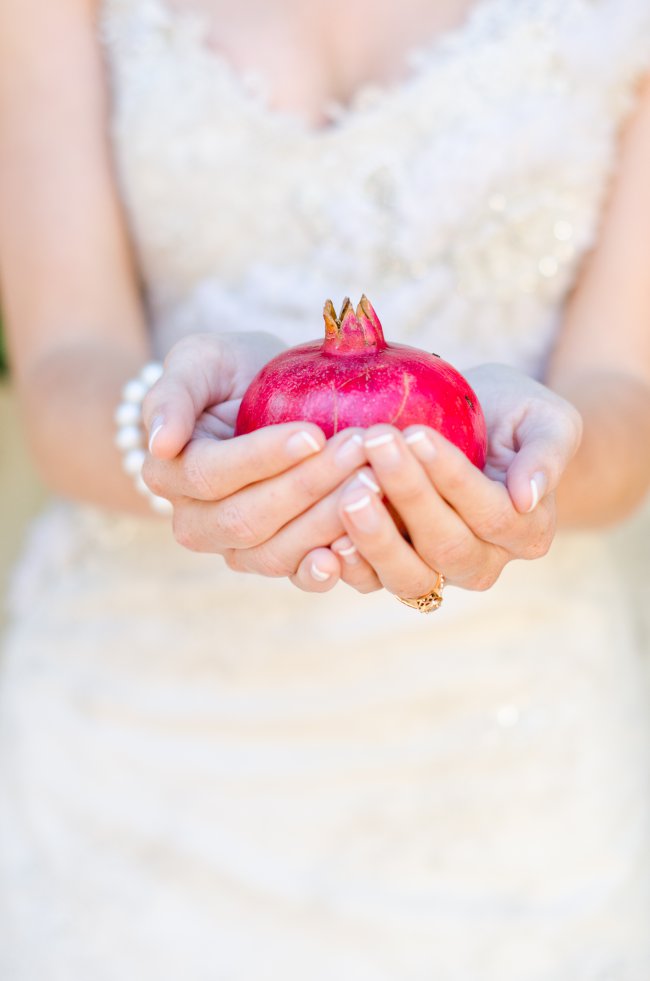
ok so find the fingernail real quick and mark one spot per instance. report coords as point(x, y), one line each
point(355, 506)
point(350, 451)
point(537, 488)
point(347, 551)
point(319, 574)
point(387, 451)
point(362, 514)
point(382, 440)
point(364, 477)
point(156, 426)
point(302, 444)
point(421, 445)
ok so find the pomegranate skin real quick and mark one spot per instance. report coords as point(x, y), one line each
point(356, 379)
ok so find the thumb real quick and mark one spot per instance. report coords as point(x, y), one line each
point(195, 378)
point(544, 452)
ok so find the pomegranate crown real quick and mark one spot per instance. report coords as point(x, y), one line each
point(352, 332)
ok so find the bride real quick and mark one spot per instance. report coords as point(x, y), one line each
point(213, 775)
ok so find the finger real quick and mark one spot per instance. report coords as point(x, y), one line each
point(371, 529)
point(281, 554)
point(318, 572)
point(484, 505)
point(281, 498)
point(438, 533)
point(355, 571)
point(218, 421)
point(225, 413)
point(198, 373)
point(209, 469)
point(255, 514)
point(547, 443)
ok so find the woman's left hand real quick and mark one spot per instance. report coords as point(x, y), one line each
point(461, 522)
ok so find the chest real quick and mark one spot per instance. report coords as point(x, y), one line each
point(482, 117)
point(312, 55)
point(465, 192)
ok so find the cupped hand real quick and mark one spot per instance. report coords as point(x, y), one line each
point(203, 383)
point(260, 499)
point(452, 518)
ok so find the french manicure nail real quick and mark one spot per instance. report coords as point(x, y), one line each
point(368, 482)
point(387, 449)
point(537, 488)
point(358, 505)
point(421, 445)
point(351, 556)
point(319, 574)
point(382, 440)
point(365, 518)
point(348, 551)
point(349, 451)
point(302, 444)
point(156, 426)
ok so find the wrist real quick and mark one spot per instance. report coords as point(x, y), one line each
point(68, 397)
point(609, 477)
point(131, 437)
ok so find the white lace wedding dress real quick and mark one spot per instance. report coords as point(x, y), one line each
point(219, 778)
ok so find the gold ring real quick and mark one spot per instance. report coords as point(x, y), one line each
point(430, 601)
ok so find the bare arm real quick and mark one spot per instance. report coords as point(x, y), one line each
point(67, 277)
point(601, 362)
point(67, 280)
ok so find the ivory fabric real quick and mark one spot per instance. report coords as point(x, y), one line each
point(217, 777)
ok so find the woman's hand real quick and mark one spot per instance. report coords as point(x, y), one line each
point(461, 522)
point(252, 500)
point(199, 394)
point(268, 494)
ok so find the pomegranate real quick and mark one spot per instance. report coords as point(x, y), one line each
point(354, 378)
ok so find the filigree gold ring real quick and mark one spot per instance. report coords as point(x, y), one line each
point(429, 601)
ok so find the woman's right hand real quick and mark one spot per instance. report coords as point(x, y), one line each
point(233, 494)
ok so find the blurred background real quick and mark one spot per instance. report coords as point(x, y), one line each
point(21, 492)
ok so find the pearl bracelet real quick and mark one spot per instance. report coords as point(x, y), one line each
point(130, 437)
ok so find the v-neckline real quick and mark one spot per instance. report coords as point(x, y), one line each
point(418, 61)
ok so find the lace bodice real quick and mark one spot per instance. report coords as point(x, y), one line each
point(461, 199)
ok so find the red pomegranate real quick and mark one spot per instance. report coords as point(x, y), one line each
point(354, 378)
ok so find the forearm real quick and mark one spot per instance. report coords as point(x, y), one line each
point(69, 398)
point(610, 473)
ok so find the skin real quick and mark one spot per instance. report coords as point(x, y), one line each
point(274, 502)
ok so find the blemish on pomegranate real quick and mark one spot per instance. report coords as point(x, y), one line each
point(335, 409)
point(407, 381)
point(365, 374)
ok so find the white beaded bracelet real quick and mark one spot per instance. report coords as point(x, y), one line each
point(131, 438)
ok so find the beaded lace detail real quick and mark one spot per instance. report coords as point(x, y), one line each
point(463, 197)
